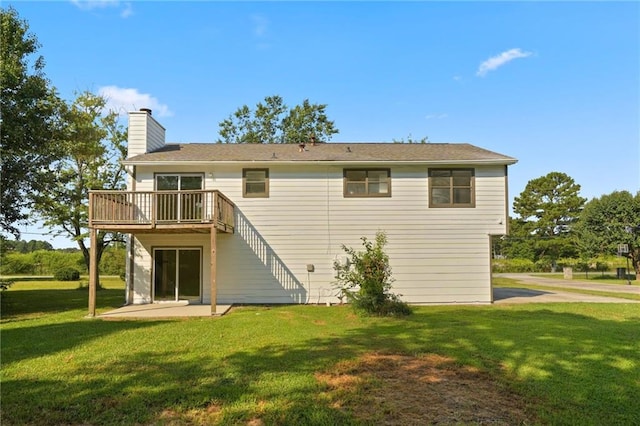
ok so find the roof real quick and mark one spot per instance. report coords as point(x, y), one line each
point(357, 152)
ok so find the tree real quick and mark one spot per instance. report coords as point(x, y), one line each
point(518, 244)
point(548, 207)
point(23, 246)
point(93, 146)
point(552, 202)
point(273, 122)
point(411, 140)
point(28, 121)
point(609, 221)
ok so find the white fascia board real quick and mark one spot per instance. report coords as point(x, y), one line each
point(339, 163)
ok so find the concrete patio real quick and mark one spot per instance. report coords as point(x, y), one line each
point(164, 310)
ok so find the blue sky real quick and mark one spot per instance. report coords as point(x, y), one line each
point(556, 85)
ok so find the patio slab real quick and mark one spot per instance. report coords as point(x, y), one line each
point(165, 310)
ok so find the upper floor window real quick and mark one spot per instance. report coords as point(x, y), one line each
point(367, 183)
point(178, 182)
point(255, 183)
point(179, 197)
point(451, 188)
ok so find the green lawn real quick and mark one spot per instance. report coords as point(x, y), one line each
point(575, 364)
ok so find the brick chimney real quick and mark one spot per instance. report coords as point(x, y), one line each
point(145, 133)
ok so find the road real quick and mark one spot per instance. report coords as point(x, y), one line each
point(520, 295)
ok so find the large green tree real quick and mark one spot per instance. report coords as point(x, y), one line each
point(548, 208)
point(518, 244)
point(93, 146)
point(272, 121)
point(552, 202)
point(608, 222)
point(29, 121)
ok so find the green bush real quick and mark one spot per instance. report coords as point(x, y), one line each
point(366, 280)
point(543, 265)
point(41, 262)
point(18, 264)
point(601, 264)
point(113, 261)
point(513, 265)
point(67, 274)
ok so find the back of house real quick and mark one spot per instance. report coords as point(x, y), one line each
point(291, 207)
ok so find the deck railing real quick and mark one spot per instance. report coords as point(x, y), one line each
point(153, 208)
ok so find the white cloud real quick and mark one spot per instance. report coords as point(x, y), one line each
point(127, 11)
point(436, 116)
point(95, 4)
point(497, 61)
point(127, 8)
point(122, 100)
point(260, 25)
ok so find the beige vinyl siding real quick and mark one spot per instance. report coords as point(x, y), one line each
point(145, 134)
point(137, 134)
point(438, 255)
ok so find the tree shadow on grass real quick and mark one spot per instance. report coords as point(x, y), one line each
point(34, 341)
point(20, 304)
point(589, 364)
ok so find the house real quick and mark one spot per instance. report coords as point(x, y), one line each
point(246, 223)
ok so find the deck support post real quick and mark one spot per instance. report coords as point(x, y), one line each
point(214, 284)
point(93, 271)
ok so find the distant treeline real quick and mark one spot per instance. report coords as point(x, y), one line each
point(39, 258)
point(600, 264)
point(23, 246)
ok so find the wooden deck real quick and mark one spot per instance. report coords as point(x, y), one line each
point(143, 212)
point(160, 211)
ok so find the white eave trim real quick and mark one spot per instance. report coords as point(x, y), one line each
point(319, 162)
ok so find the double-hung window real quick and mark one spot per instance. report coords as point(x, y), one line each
point(451, 188)
point(255, 183)
point(367, 183)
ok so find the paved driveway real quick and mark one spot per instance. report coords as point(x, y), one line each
point(520, 295)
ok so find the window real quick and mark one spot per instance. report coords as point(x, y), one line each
point(179, 197)
point(367, 183)
point(255, 183)
point(451, 188)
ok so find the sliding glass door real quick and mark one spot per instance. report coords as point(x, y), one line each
point(177, 274)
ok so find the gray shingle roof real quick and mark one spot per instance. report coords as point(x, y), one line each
point(338, 152)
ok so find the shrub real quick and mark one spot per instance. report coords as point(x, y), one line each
point(513, 265)
point(67, 274)
point(602, 267)
point(366, 280)
point(113, 261)
point(18, 264)
point(544, 265)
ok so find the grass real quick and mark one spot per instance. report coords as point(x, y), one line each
point(573, 363)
